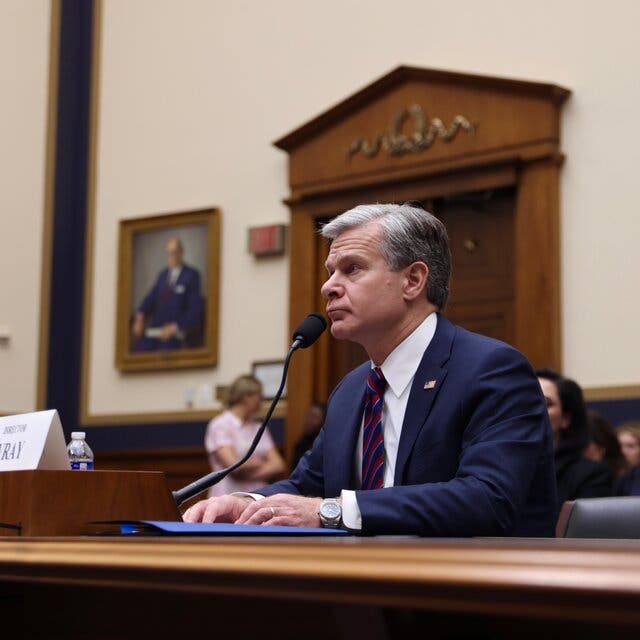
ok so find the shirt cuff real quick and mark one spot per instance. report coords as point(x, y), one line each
point(245, 494)
point(351, 516)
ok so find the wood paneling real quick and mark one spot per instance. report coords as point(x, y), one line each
point(481, 241)
point(180, 465)
point(63, 503)
point(537, 263)
point(301, 289)
point(494, 106)
point(159, 587)
point(509, 287)
point(480, 228)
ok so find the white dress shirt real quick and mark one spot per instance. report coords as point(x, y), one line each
point(174, 274)
point(399, 369)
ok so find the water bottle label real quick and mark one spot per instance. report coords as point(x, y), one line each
point(76, 465)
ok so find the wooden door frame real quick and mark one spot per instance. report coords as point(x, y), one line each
point(536, 253)
point(531, 166)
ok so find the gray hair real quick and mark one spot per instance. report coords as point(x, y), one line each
point(409, 234)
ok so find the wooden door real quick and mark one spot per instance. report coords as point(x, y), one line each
point(480, 228)
point(484, 154)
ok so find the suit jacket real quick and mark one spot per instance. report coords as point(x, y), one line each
point(180, 303)
point(475, 454)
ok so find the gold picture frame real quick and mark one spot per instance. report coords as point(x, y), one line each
point(175, 295)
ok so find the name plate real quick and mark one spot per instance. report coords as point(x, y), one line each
point(31, 441)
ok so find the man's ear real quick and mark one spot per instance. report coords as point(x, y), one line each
point(416, 275)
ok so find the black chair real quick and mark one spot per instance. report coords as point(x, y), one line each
point(600, 518)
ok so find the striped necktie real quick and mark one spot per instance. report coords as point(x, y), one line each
point(372, 438)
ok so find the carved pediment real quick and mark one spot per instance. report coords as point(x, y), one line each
point(395, 142)
point(422, 120)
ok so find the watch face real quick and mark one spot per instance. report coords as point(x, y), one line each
point(331, 510)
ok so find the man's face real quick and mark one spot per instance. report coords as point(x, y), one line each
point(364, 297)
point(174, 254)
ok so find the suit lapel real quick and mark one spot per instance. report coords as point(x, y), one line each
point(424, 392)
point(341, 443)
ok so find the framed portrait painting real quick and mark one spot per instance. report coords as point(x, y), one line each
point(168, 283)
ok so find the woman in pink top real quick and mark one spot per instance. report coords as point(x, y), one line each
point(229, 435)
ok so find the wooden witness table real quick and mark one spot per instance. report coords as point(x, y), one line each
point(148, 587)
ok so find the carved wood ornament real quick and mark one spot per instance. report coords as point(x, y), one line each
point(396, 143)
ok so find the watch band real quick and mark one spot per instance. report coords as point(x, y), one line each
point(330, 521)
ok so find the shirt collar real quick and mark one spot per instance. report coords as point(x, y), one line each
point(401, 364)
point(174, 273)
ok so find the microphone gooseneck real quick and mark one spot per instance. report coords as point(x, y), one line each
point(307, 332)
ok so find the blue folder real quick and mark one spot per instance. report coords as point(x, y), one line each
point(159, 527)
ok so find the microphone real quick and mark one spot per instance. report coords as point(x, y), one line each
point(306, 333)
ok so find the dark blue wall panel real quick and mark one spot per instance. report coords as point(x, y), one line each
point(617, 411)
point(69, 217)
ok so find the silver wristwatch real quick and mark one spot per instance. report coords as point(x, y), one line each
point(330, 513)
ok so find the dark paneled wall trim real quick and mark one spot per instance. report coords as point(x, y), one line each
point(161, 436)
point(70, 210)
point(617, 411)
point(146, 436)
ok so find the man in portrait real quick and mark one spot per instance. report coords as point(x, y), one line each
point(171, 314)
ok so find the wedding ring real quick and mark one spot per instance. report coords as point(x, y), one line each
point(273, 512)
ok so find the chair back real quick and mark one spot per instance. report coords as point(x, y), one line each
point(600, 518)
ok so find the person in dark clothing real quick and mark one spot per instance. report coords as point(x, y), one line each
point(629, 483)
point(603, 444)
point(313, 421)
point(576, 476)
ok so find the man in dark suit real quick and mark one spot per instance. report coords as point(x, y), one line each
point(170, 315)
point(443, 433)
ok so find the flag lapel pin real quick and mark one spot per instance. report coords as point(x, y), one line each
point(429, 384)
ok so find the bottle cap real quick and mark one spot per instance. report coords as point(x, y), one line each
point(78, 435)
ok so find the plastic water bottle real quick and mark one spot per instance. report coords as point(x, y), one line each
point(80, 454)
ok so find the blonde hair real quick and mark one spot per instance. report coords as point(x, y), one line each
point(633, 428)
point(243, 386)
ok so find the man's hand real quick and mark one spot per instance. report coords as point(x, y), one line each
point(138, 325)
point(283, 509)
point(168, 331)
point(220, 509)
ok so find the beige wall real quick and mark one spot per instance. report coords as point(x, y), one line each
point(191, 95)
point(24, 49)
